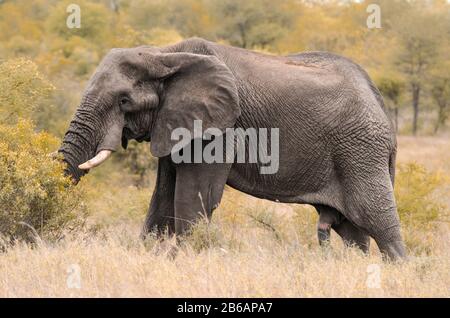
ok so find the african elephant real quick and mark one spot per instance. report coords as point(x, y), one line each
point(337, 147)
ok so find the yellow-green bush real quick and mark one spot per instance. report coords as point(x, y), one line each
point(35, 196)
point(418, 206)
point(138, 161)
point(23, 90)
point(204, 235)
point(414, 191)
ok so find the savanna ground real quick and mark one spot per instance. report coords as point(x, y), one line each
point(252, 248)
point(60, 240)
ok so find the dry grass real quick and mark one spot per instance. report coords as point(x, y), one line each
point(432, 152)
point(255, 265)
point(252, 248)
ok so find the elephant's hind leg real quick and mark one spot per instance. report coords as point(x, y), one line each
point(371, 206)
point(330, 218)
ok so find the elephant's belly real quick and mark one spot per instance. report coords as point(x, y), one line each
point(298, 180)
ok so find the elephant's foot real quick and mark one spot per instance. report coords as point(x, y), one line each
point(394, 251)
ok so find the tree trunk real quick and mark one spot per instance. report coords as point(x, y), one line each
point(114, 4)
point(243, 36)
point(441, 116)
point(415, 101)
point(396, 119)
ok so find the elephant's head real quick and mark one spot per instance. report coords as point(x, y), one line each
point(143, 94)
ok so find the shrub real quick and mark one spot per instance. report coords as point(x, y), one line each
point(265, 218)
point(204, 235)
point(23, 90)
point(35, 196)
point(414, 191)
point(418, 206)
point(138, 161)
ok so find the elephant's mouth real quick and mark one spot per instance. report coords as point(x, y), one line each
point(128, 134)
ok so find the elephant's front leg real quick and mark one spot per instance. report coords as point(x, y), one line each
point(160, 217)
point(198, 191)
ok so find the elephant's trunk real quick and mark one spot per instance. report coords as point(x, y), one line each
point(81, 140)
point(94, 133)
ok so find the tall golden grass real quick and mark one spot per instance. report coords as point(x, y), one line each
point(252, 248)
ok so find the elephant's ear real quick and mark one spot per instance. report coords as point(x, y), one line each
point(196, 87)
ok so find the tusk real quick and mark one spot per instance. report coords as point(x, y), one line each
point(97, 160)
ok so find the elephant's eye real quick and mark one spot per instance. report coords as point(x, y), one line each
point(124, 101)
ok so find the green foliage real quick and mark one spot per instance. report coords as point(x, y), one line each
point(19, 17)
point(138, 161)
point(412, 47)
point(440, 93)
point(35, 197)
point(95, 21)
point(22, 90)
point(162, 37)
point(411, 43)
point(149, 14)
point(34, 192)
point(419, 32)
point(414, 190)
point(390, 88)
point(187, 17)
point(251, 23)
point(265, 219)
point(204, 235)
point(418, 205)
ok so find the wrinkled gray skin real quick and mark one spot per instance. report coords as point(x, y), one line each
point(337, 146)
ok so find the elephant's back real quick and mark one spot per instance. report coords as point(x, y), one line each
point(352, 71)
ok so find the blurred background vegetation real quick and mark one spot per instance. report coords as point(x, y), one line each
point(44, 66)
point(409, 57)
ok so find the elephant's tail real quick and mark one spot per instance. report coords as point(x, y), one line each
point(392, 158)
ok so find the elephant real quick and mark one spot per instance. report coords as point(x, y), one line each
point(337, 145)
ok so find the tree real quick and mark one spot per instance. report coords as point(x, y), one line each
point(188, 17)
point(251, 23)
point(96, 22)
point(34, 194)
point(418, 33)
point(440, 92)
point(440, 75)
point(391, 88)
point(22, 90)
point(138, 161)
